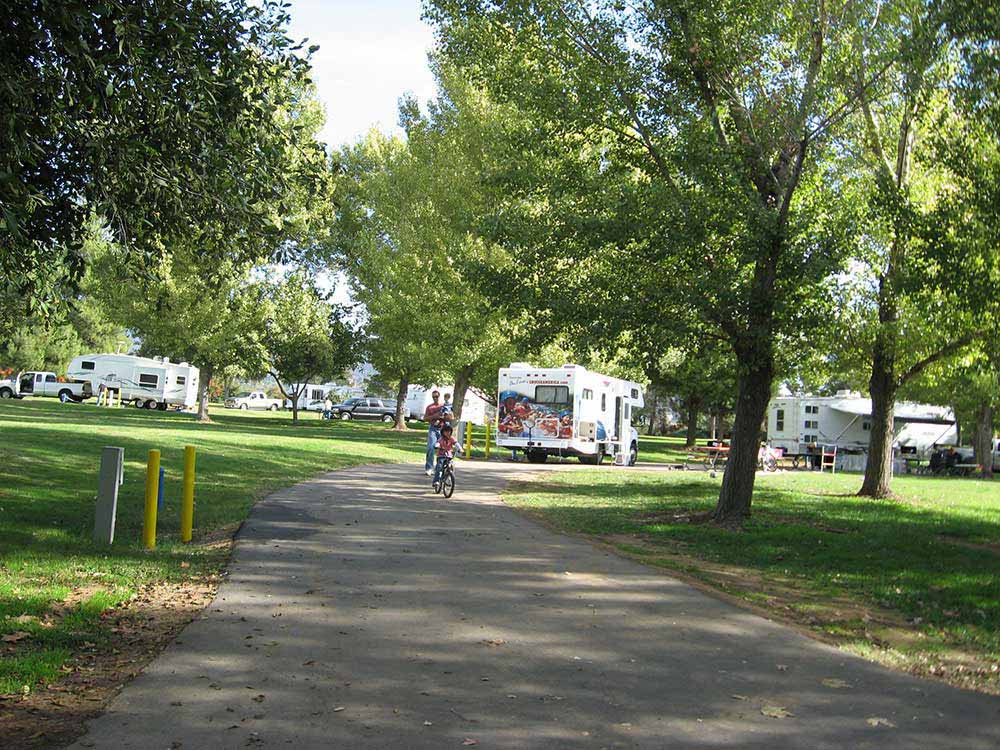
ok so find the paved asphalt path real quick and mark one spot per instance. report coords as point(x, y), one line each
point(362, 611)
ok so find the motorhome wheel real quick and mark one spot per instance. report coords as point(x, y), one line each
point(633, 455)
point(151, 404)
point(138, 403)
point(537, 457)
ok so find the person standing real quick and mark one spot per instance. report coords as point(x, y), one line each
point(433, 419)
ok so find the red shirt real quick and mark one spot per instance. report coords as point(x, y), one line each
point(446, 446)
point(432, 410)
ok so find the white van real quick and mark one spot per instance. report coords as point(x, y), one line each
point(150, 382)
point(567, 411)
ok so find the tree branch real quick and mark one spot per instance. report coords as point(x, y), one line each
point(945, 351)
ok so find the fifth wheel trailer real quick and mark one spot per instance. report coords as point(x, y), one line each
point(150, 382)
point(797, 424)
point(567, 411)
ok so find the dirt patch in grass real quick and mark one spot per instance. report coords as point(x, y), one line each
point(985, 546)
point(54, 715)
point(870, 631)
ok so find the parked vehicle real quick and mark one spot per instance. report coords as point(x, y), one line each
point(367, 408)
point(146, 382)
point(254, 400)
point(567, 411)
point(45, 384)
point(801, 425)
point(312, 396)
point(418, 398)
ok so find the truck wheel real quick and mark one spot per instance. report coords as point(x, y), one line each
point(537, 457)
point(633, 455)
point(6, 393)
point(244, 407)
point(65, 395)
point(388, 418)
point(345, 416)
point(273, 407)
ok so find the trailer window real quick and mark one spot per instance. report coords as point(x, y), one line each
point(866, 426)
point(812, 424)
point(604, 402)
point(181, 380)
point(552, 394)
point(148, 381)
point(779, 421)
point(86, 365)
point(812, 410)
point(635, 394)
point(810, 438)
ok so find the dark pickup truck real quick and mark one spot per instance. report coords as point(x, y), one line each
point(366, 408)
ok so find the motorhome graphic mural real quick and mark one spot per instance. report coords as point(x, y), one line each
point(536, 408)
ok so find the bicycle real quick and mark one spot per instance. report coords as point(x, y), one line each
point(447, 484)
point(767, 458)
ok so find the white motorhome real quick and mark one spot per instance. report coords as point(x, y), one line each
point(567, 411)
point(312, 396)
point(150, 382)
point(418, 398)
point(799, 423)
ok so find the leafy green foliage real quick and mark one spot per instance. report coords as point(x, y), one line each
point(304, 337)
point(163, 117)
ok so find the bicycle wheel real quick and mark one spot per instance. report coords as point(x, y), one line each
point(448, 484)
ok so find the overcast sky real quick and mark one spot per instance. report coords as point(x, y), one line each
point(371, 53)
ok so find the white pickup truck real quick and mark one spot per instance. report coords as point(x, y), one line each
point(44, 384)
point(254, 400)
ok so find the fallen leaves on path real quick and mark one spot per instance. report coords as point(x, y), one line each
point(776, 712)
point(833, 682)
point(879, 721)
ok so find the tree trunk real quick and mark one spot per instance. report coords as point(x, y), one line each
point(984, 440)
point(295, 409)
point(882, 385)
point(462, 379)
point(756, 372)
point(404, 386)
point(203, 383)
point(713, 425)
point(692, 422)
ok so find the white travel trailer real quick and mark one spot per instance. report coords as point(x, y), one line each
point(798, 424)
point(418, 398)
point(567, 411)
point(150, 382)
point(312, 396)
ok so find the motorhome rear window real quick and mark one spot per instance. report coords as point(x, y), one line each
point(181, 380)
point(552, 394)
point(635, 393)
point(588, 394)
point(779, 421)
point(148, 380)
point(87, 365)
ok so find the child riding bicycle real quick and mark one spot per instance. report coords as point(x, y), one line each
point(445, 451)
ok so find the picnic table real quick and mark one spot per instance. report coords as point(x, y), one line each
point(712, 456)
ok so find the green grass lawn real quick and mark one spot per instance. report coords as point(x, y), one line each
point(49, 459)
point(663, 450)
point(932, 558)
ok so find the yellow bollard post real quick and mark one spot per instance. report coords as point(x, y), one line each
point(468, 440)
point(187, 496)
point(152, 489)
point(487, 439)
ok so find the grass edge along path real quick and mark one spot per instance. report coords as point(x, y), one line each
point(76, 618)
point(913, 584)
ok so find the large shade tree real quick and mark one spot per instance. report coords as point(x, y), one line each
point(677, 154)
point(157, 116)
